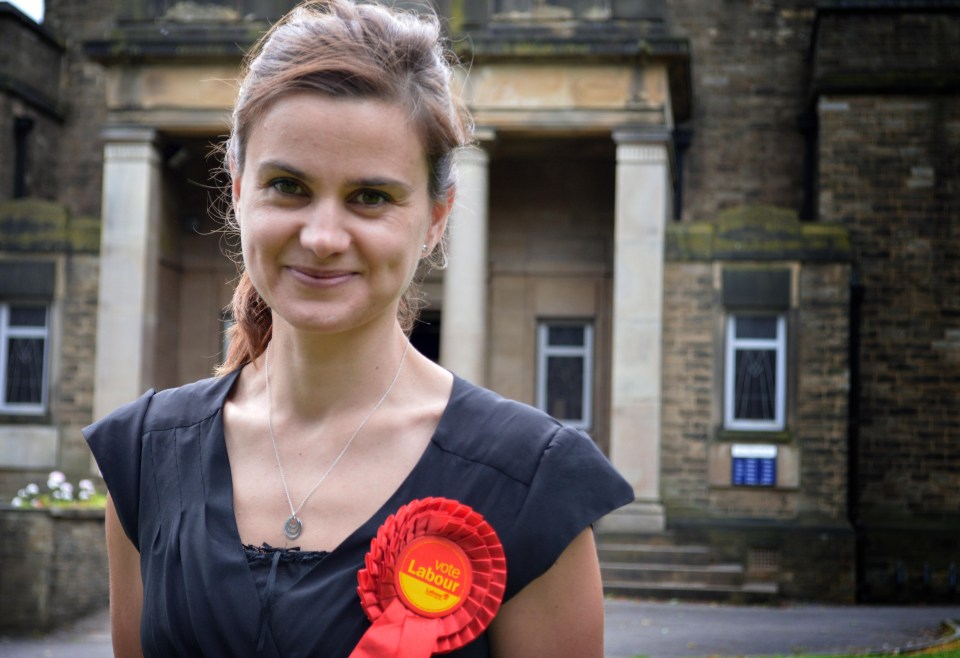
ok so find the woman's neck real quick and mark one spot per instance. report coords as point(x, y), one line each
point(315, 375)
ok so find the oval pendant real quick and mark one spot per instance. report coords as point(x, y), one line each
point(292, 528)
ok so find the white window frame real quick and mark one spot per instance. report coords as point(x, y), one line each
point(545, 351)
point(779, 345)
point(6, 333)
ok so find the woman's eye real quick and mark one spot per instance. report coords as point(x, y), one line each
point(286, 186)
point(371, 198)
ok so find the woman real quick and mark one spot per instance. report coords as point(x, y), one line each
point(242, 506)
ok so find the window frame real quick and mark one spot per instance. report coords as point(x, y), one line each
point(585, 351)
point(780, 345)
point(6, 333)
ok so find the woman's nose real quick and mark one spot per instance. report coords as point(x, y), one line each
point(324, 230)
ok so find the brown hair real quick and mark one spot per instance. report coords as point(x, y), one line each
point(343, 49)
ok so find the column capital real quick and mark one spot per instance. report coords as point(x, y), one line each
point(650, 135)
point(130, 143)
point(484, 135)
point(129, 134)
point(474, 154)
point(644, 145)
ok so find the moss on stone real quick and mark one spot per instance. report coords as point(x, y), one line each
point(757, 232)
point(40, 225)
point(689, 241)
point(766, 232)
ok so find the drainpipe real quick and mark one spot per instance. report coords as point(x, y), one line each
point(21, 128)
point(809, 127)
point(853, 437)
point(682, 137)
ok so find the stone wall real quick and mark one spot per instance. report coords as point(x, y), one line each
point(869, 50)
point(808, 562)
point(30, 61)
point(54, 568)
point(812, 468)
point(889, 152)
point(749, 71)
point(41, 231)
point(77, 357)
point(887, 172)
point(80, 157)
point(690, 325)
point(822, 385)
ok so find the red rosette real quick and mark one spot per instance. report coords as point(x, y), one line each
point(433, 581)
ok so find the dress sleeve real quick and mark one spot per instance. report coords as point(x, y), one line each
point(573, 487)
point(116, 442)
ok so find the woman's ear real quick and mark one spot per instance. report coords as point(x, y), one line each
point(235, 187)
point(438, 220)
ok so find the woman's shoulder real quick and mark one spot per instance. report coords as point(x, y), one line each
point(167, 409)
point(188, 404)
point(485, 427)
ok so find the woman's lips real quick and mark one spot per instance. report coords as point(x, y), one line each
point(320, 278)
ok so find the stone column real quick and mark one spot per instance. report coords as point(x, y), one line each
point(127, 312)
point(463, 328)
point(643, 193)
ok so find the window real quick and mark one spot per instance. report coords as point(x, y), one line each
point(23, 358)
point(565, 371)
point(755, 382)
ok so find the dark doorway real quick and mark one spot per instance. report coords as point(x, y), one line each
point(426, 335)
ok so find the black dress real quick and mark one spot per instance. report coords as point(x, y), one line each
point(164, 459)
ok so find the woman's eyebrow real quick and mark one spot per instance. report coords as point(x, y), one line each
point(381, 181)
point(268, 165)
point(373, 181)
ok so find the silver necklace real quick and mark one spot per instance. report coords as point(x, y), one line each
point(293, 526)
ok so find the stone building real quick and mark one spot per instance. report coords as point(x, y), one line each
point(720, 237)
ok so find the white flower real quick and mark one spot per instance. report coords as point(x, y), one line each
point(55, 479)
point(17, 502)
point(87, 486)
point(66, 490)
point(32, 489)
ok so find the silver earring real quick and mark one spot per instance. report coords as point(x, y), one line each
point(423, 248)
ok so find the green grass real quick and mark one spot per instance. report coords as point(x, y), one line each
point(951, 650)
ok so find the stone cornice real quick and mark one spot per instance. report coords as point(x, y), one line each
point(757, 233)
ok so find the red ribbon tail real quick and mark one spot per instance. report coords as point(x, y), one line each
point(398, 633)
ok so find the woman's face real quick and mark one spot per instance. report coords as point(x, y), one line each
point(333, 205)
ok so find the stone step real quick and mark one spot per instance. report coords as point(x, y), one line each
point(748, 593)
point(665, 538)
point(624, 551)
point(709, 574)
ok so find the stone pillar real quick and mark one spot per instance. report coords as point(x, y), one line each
point(643, 193)
point(463, 328)
point(127, 314)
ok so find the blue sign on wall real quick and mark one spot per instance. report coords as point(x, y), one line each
point(753, 465)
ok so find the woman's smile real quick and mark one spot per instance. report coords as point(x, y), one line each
point(320, 278)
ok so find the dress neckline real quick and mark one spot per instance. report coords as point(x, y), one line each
point(219, 474)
